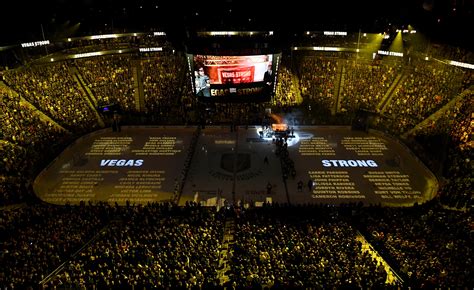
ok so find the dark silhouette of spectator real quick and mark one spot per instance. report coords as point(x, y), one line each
point(300, 186)
point(269, 188)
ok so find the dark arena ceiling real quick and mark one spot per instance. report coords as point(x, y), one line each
point(443, 20)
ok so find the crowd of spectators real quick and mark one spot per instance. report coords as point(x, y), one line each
point(37, 239)
point(450, 137)
point(150, 246)
point(163, 85)
point(426, 89)
point(161, 245)
point(365, 84)
point(458, 170)
point(287, 90)
point(21, 124)
point(317, 76)
point(165, 246)
point(52, 89)
point(26, 141)
point(429, 245)
point(110, 79)
point(298, 248)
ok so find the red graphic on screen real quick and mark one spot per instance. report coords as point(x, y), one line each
point(236, 75)
point(234, 69)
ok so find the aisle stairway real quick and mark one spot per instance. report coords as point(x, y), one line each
point(392, 277)
point(226, 251)
point(138, 85)
point(86, 91)
point(387, 98)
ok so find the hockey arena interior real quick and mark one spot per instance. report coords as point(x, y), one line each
point(147, 145)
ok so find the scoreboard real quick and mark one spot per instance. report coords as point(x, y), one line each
point(233, 66)
point(223, 78)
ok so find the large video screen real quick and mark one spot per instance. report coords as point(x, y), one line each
point(234, 78)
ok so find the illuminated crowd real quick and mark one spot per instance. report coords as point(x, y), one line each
point(53, 91)
point(426, 89)
point(298, 248)
point(287, 91)
point(163, 79)
point(44, 107)
point(456, 127)
point(431, 246)
point(104, 246)
point(150, 246)
point(37, 239)
point(110, 80)
point(365, 84)
point(26, 139)
point(318, 77)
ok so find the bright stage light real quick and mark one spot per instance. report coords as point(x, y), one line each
point(267, 135)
